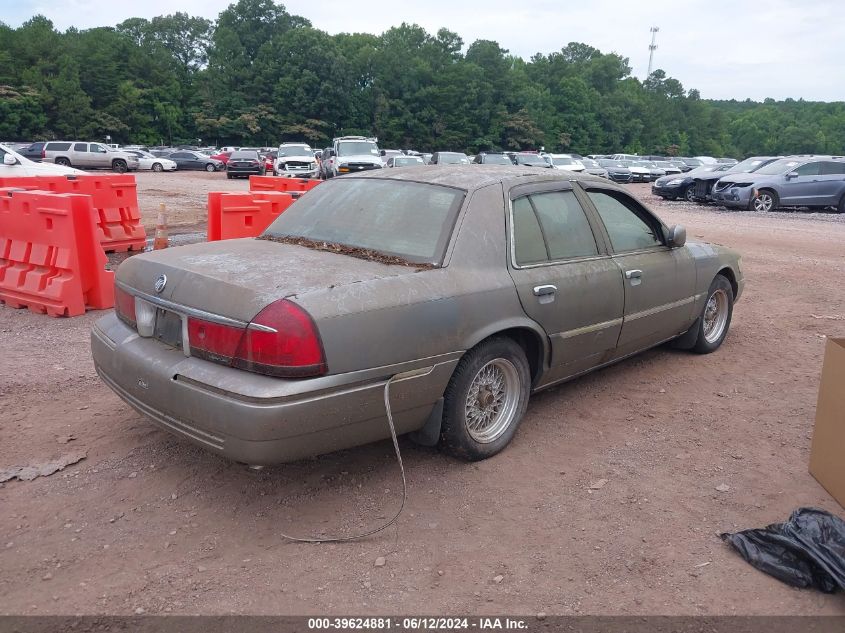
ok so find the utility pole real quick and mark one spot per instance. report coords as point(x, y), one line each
point(651, 48)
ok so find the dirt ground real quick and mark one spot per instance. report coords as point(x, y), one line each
point(148, 523)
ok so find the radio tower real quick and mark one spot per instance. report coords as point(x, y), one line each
point(651, 48)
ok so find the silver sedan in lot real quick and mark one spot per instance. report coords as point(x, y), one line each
point(471, 288)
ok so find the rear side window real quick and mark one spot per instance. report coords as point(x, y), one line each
point(551, 226)
point(57, 147)
point(628, 226)
point(833, 168)
point(80, 147)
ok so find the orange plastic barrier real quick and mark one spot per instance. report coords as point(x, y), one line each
point(232, 215)
point(50, 256)
point(114, 197)
point(288, 185)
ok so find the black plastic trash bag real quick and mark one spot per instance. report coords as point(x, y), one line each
point(806, 551)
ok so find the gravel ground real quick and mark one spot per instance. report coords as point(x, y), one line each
point(147, 522)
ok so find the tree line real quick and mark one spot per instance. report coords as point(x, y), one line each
point(259, 75)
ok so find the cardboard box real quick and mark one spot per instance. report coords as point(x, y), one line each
point(827, 456)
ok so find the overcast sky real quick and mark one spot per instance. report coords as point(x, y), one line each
point(724, 48)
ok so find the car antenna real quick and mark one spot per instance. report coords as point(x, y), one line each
point(340, 539)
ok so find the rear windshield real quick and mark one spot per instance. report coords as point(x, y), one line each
point(409, 220)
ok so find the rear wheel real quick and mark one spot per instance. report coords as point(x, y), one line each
point(485, 400)
point(716, 317)
point(157, 167)
point(209, 167)
point(119, 166)
point(63, 161)
point(764, 201)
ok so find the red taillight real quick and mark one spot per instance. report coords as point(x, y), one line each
point(43, 153)
point(213, 341)
point(281, 341)
point(124, 306)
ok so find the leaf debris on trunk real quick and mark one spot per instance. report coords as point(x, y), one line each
point(344, 249)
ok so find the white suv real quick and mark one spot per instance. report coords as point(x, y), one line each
point(350, 154)
point(295, 160)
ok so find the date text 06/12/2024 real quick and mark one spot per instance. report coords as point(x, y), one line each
point(418, 623)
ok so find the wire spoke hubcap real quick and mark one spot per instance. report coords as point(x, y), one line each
point(492, 400)
point(715, 316)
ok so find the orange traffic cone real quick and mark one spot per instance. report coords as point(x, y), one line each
point(161, 240)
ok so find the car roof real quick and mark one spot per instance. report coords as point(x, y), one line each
point(471, 177)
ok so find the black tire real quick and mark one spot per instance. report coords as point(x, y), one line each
point(229, 176)
point(119, 166)
point(498, 359)
point(689, 193)
point(62, 161)
point(720, 291)
point(209, 167)
point(766, 200)
point(841, 206)
point(157, 167)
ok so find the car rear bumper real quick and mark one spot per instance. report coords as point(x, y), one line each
point(257, 419)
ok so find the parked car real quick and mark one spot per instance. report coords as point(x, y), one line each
point(691, 163)
point(387, 153)
point(655, 172)
point(667, 166)
point(529, 159)
point(296, 160)
point(616, 170)
point(564, 161)
point(269, 158)
point(705, 181)
point(449, 158)
point(729, 161)
point(426, 157)
point(13, 164)
point(245, 163)
point(223, 157)
point(192, 160)
point(593, 168)
point(639, 173)
point(291, 359)
point(150, 162)
point(88, 156)
point(492, 158)
point(404, 161)
point(672, 187)
point(33, 151)
point(351, 154)
point(815, 182)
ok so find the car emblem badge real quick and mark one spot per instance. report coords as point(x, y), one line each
point(161, 282)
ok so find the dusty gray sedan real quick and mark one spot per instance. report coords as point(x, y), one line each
point(477, 286)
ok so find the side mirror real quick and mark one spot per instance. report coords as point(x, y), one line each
point(791, 175)
point(8, 159)
point(677, 236)
point(332, 153)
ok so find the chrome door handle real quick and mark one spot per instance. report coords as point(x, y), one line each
point(541, 291)
point(633, 274)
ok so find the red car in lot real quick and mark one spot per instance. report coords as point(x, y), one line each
point(223, 157)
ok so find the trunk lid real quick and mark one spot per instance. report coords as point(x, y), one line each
point(237, 278)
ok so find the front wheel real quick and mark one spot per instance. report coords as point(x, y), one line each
point(210, 167)
point(716, 317)
point(689, 193)
point(764, 201)
point(485, 400)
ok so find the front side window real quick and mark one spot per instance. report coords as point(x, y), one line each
point(629, 227)
point(99, 149)
point(808, 169)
